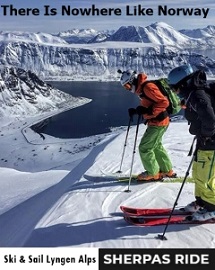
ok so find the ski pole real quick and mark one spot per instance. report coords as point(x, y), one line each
point(125, 144)
point(161, 236)
point(134, 151)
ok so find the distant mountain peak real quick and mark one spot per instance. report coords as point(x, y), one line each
point(160, 24)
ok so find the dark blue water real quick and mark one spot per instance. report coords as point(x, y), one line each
point(108, 108)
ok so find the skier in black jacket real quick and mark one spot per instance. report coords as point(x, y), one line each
point(199, 108)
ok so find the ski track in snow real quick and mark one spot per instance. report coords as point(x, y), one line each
point(120, 196)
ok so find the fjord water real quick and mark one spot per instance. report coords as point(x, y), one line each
point(108, 108)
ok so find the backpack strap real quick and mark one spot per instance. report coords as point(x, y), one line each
point(161, 116)
point(143, 94)
point(159, 86)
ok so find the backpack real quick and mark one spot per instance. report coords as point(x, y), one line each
point(174, 101)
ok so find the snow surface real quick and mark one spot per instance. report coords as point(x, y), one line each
point(52, 193)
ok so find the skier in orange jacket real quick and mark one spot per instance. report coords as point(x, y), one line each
point(154, 156)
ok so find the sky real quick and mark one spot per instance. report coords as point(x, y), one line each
point(50, 197)
point(59, 22)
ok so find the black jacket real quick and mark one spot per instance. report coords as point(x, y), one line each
point(200, 108)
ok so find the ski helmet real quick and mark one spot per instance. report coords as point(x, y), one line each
point(127, 78)
point(179, 74)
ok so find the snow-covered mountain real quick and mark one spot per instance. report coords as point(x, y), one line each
point(164, 34)
point(83, 36)
point(23, 93)
point(78, 35)
point(154, 49)
point(206, 32)
point(43, 38)
point(157, 33)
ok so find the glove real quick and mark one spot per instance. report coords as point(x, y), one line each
point(131, 112)
point(141, 110)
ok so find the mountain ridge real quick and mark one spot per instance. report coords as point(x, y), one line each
point(154, 49)
point(83, 36)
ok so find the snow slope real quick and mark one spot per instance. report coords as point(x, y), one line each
point(50, 195)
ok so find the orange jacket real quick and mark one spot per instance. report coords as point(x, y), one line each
point(160, 101)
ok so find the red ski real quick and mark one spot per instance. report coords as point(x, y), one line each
point(130, 211)
point(156, 221)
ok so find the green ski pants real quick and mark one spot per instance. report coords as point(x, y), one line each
point(203, 172)
point(152, 153)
